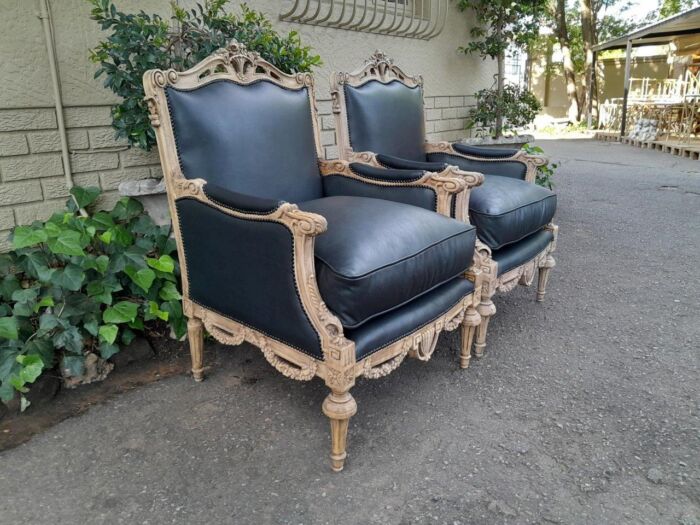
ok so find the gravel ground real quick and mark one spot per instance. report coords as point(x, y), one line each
point(584, 410)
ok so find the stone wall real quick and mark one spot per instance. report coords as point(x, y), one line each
point(32, 184)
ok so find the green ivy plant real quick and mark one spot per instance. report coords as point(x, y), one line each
point(83, 283)
point(139, 42)
point(545, 173)
point(517, 107)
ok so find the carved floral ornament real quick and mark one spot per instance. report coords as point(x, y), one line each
point(379, 67)
point(233, 62)
point(235, 337)
point(381, 61)
point(330, 322)
point(239, 58)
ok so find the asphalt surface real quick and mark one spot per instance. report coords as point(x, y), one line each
point(584, 410)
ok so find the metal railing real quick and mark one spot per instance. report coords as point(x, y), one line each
point(423, 19)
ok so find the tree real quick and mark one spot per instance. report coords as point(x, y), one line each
point(673, 7)
point(500, 24)
point(562, 32)
point(592, 32)
point(584, 23)
point(589, 36)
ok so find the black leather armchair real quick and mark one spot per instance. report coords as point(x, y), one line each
point(357, 274)
point(380, 120)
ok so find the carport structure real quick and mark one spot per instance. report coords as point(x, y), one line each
point(660, 33)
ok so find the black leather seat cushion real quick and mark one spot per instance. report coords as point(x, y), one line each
point(378, 255)
point(522, 251)
point(388, 328)
point(506, 210)
point(386, 118)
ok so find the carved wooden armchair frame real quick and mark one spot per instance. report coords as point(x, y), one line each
point(531, 161)
point(381, 68)
point(339, 367)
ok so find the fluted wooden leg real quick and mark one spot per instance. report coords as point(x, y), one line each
point(472, 319)
point(339, 407)
point(195, 333)
point(487, 310)
point(543, 277)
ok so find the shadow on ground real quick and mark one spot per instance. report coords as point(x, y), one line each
point(585, 409)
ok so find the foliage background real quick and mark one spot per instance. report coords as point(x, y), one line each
point(500, 25)
point(517, 107)
point(139, 42)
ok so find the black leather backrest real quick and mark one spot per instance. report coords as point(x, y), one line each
point(386, 118)
point(507, 168)
point(256, 139)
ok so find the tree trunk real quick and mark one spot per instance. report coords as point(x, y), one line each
point(589, 33)
point(500, 83)
point(569, 73)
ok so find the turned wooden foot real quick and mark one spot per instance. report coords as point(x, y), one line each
point(487, 309)
point(339, 407)
point(543, 277)
point(195, 333)
point(472, 319)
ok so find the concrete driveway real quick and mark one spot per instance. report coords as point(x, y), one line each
point(585, 409)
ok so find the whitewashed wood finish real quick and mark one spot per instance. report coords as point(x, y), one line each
point(531, 161)
point(339, 367)
point(381, 68)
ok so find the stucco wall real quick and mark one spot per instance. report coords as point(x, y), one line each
point(31, 174)
point(612, 73)
point(611, 79)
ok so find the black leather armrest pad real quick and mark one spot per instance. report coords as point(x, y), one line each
point(387, 175)
point(240, 201)
point(484, 153)
point(404, 164)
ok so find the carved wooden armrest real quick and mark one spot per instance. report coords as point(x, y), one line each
point(471, 178)
point(451, 183)
point(531, 161)
point(299, 222)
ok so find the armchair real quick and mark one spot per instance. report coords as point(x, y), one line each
point(380, 120)
point(332, 269)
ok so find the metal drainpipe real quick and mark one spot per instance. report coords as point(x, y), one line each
point(45, 15)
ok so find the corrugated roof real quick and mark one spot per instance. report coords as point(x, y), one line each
point(661, 32)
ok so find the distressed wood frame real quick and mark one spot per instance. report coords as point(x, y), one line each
point(379, 67)
point(339, 367)
point(448, 185)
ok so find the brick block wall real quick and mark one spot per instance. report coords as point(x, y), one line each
point(32, 183)
point(446, 117)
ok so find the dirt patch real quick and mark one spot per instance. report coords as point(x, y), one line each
point(170, 358)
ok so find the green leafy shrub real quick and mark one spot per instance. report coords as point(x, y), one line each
point(518, 107)
point(545, 173)
point(139, 42)
point(83, 283)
